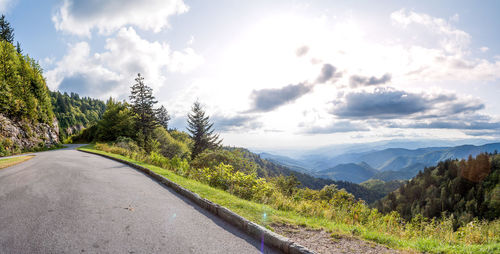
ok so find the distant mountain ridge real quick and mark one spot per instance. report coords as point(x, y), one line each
point(389, 164)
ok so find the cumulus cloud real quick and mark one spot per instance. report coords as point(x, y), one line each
point(453, 40)
point(388, 103)
point(80, 17)
point(357, 80)
point(111, 72)
point(269, 99)
point(336, 127)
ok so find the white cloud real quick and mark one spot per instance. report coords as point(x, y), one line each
point(5, 4)
point(80, 17)
point(111, 72)
point(453, 40)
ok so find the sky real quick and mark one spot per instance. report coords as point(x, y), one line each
point(282, 74)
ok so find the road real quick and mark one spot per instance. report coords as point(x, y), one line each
point(66, 201)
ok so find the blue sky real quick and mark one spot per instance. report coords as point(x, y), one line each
point(282, 74)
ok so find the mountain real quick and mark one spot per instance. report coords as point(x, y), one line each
point(351, 172)
point(390, 163)
point(286, 161)
point(268, 168)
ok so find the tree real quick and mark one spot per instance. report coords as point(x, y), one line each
point(6, 31)
point(117, 121)
point(18, 48)
point(201, 131)
point(162, 117)
point(142, 102)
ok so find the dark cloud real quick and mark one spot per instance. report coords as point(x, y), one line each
point(239, 122)
point(342, 126)
point(302, 51)
point(386, 103)
point(327, 73)
point(357, 80)
point(269, 99)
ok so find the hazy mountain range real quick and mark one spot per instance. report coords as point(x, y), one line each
point(385, 164)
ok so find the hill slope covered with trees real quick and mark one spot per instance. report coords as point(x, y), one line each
point(464, 189)
point(26, 117)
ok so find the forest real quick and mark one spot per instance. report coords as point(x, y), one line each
point(75, 113)
point(462, 189)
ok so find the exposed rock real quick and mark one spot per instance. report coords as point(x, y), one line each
point(74, 129)
point(26, 135)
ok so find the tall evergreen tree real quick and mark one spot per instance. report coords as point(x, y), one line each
point(162, 117)
point(142, 102)
point(6, 31)
point(18, 48)
point(201, 131)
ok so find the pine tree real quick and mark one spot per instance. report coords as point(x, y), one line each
point(201, 131)
point(18, 48)
point(6, 31)
point(162, 117)
point(142, 102)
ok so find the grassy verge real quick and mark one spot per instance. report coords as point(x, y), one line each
point(33, 150)
point(13, 161)
point(267, 216)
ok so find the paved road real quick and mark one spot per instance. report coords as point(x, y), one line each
point(66, 201)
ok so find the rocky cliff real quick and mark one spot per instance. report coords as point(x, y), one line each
point(16, 136)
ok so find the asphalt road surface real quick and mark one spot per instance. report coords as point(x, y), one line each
point(66, 201)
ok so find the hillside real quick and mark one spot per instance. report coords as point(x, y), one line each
point(26, 117)
point(466, 189)
point(267, 168)
point(75, 113)
point(351, 172)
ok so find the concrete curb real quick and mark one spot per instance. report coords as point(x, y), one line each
point(254, 230)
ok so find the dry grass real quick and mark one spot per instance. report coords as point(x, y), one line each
point(4, 163)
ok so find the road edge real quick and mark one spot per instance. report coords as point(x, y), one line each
point(252, 229)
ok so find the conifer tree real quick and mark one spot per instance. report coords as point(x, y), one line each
point(162, 117)
point(142, 102)
point(18, 48)
point(201, 131)
point(6, 31)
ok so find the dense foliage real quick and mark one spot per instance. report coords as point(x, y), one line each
point(75, 113)
point(23, 92)
point(382, 187)
point(464, 189)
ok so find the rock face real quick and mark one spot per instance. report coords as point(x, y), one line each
point(25, 135)
point(74, 129)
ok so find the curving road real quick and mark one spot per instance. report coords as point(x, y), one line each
point(66, 201)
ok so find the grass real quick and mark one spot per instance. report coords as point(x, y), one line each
point(267, 216)
point(4, 163)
